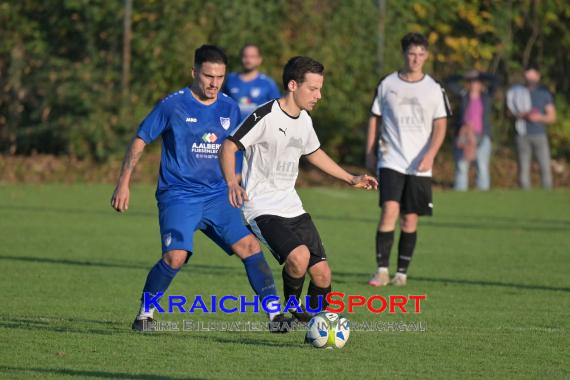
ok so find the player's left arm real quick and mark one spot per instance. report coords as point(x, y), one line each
point(322, 161)
point(437, 137)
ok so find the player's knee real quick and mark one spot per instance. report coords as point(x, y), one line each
point(390, 212)
point(298, 260)
point(175, 259)
point(321, 274)
point(409, 222)
point(246, 247)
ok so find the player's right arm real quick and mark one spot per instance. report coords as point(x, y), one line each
point(371, 139)
point(120, 198)
point(374, 123)
point(227, 157)
point(248, 133)
point(150, 129)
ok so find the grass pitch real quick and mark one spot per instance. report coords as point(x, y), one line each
point(494, 266)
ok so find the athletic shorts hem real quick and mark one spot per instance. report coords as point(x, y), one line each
point(283, 235)
point(413, 193)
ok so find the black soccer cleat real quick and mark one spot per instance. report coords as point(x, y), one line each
point(280, 324)
point(141, 325)
point(304, 316)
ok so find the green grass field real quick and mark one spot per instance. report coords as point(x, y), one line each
point(494, 266)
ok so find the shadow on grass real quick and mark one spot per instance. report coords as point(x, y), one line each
point(493, 223)
point(352, 277)
point(78, 211)
point(190, 268)
point(54, 325)
point(232, 339)
point(116, 328)
point(481, 222)
point(89, 373)
point(339, 277)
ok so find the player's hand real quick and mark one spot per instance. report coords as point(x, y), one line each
point(237, 195)
point(120, 198)
point(371, 162)
point(426, 164)
point(364, 182)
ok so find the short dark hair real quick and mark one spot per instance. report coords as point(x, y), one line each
point(209, 53)
point(416, 39)
point(297, 67)
point(532, 66)
point(250, 45)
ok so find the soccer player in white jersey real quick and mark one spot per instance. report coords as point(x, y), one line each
point(408, 120)
point(274, 137)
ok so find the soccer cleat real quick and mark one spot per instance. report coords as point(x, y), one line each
point(303, 316)
point(400, 279)
point(141, 324)
point(380, 278)
point(280, 324)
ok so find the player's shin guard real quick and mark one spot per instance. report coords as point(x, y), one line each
point(314, 293)
point(406, 247)
point(158, 280)
point(260, 277)
point(384, 242)
point(292, 286)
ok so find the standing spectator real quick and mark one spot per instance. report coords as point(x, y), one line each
point(473, 127)
point(250, 88)
point(533, 107)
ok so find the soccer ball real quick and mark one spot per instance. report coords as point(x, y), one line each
point(328, 330)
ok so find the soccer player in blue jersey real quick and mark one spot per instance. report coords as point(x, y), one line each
point(191, 191)
point(250, 88)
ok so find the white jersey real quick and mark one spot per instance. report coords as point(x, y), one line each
point(273, 142)
point(408, 110)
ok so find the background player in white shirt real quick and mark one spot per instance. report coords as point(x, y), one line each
point(409, 118)
point(274, 138)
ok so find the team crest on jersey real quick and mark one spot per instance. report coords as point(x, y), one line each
point(255, 92)
point(209, 137)
point(225, 122)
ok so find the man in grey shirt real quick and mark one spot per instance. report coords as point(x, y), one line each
point(531, 130)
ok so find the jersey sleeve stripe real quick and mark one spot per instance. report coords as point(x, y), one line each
point(446, 102)
point(251, 121)
point(376, 95)
point(308, 154)
point(237, 142)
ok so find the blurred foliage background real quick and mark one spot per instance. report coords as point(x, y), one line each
point(69, 86)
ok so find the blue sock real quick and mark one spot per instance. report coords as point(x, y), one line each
point(159, 278)
point(260, 276)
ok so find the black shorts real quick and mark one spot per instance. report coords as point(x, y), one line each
point(412, 192)
point(283, 235)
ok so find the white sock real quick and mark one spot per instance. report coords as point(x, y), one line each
point(145, 315)
point(383, 270)
point(273, 306)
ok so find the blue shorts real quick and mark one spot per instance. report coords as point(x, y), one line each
point(214, 216)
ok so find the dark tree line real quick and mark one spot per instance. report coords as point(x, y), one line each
point(73, 83)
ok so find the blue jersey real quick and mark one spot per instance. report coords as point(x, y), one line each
point(250, 95)
point(191, 136)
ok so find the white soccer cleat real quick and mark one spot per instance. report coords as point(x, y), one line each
point(400, 279)
point(381, 278)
